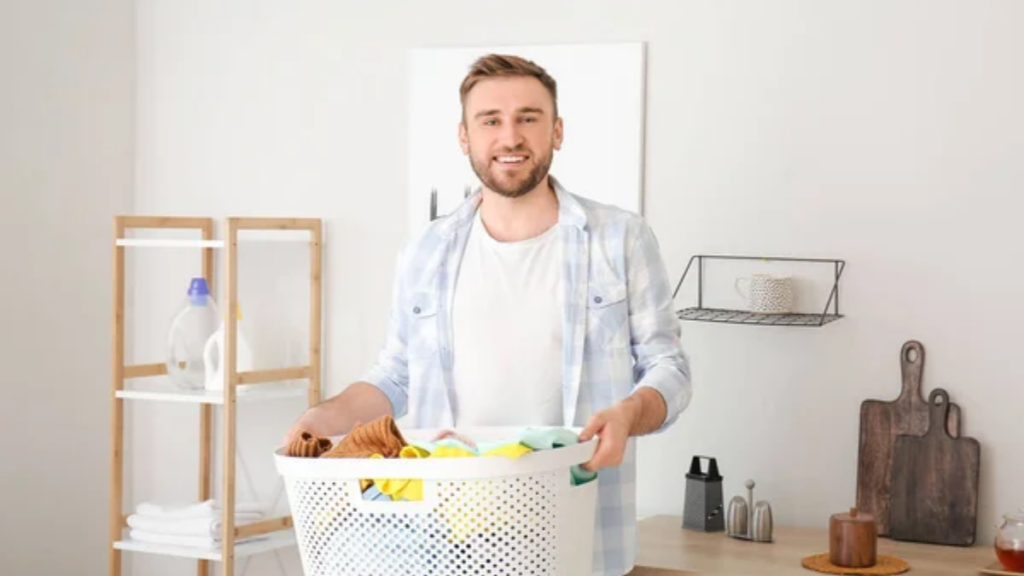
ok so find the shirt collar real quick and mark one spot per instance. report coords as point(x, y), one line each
point(570, 211)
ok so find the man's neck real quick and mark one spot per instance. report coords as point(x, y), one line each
point(516, 219)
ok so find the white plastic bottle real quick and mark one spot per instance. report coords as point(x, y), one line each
point(213, 355)
point(191, 327)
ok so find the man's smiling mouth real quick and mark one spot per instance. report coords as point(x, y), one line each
point(510, 159)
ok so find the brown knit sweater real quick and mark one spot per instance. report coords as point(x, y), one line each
point(378, 437)
point(308, 446)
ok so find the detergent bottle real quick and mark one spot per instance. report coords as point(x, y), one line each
point(213, 354)
point(190, 328)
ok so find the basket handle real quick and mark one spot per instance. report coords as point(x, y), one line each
point(386, 504)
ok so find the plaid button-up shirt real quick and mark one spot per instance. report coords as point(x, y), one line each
point(620, 332)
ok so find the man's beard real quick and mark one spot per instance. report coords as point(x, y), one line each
point(516, 188)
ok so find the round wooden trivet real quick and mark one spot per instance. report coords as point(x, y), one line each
point(885, 565)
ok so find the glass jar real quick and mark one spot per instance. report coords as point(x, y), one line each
point(1010, 542)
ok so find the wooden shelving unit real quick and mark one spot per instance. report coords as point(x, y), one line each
point(260, 385)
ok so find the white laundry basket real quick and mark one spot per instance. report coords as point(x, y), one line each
point(480, 516)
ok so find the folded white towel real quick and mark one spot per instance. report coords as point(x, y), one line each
point(207, 509)
point(189, 541)
point(205, 527)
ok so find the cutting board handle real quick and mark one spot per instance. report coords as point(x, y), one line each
point(938, 412)
point(912, 367)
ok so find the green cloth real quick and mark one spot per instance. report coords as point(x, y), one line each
point(549, 439)
point(452, 442)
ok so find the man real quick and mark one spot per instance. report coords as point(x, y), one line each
point(528, 306)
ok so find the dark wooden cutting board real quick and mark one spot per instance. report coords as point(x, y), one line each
point(934, 490)
point(881, 422)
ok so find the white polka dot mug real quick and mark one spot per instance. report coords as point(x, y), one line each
point(766, 293)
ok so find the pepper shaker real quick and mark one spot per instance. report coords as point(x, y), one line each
point(749, 520)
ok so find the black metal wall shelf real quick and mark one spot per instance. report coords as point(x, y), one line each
point(724, 316)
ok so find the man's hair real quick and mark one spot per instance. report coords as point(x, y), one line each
point(505, 66)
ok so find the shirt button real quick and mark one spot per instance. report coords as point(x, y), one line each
point(597, 299)
point(416, 310)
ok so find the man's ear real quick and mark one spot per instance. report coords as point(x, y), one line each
point(463, 138)
point(557, 137)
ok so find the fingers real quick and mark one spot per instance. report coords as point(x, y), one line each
point(608, 454)
point(452, 434)
point(309, 421)
point(297, 428)
point(593, 426)
point(442, 435)
point(289, 436)
point(611, 443)
point(602, 458)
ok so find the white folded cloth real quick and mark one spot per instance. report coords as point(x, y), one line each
point(196, 524)
point(178, 540)
point(206, 509)
point(202, 527)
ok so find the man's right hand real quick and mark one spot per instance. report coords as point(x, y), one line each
point(308, 422)
point(359, 402)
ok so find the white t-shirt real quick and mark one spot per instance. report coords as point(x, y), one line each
point(507, 331)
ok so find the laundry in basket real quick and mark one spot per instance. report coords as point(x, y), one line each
point(515, 512)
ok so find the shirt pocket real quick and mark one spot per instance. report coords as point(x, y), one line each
point(422, 308)
point(607, 315)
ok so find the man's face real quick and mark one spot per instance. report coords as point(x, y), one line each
point(510, 134)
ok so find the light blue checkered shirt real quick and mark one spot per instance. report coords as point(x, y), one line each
point(620, 332)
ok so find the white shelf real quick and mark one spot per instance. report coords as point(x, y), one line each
point(272, 541)
point(245, 392)
point(168, 243)
point(243, 236)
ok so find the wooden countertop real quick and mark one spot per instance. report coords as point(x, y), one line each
point(668, 550)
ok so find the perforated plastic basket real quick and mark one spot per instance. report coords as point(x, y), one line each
point(480, 516)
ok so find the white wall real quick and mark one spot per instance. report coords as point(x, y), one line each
point(67, 115)
point(885, 133)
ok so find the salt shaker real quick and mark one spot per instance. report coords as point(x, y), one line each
point(749, 520)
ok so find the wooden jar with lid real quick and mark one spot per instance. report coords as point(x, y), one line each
point(852, 540)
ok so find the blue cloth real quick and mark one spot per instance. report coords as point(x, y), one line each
point(374, 493)
point(620, 327)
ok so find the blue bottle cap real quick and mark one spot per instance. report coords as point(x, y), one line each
point(198, 287)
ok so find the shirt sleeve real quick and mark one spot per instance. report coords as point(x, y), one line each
point(390, 371)
point(660, 361)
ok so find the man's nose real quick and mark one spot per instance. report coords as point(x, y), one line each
point(510, 135)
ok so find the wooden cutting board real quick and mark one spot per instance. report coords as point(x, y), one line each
point(934, 490)
point(881, 422)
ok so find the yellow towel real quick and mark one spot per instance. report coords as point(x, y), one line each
point(509, 450)
point(400, 488)
point(411, 490)
point(447, 451)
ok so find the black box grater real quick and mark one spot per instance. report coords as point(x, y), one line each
point(704, 505)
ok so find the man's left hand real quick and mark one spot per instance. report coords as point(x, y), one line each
point(612, 427)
